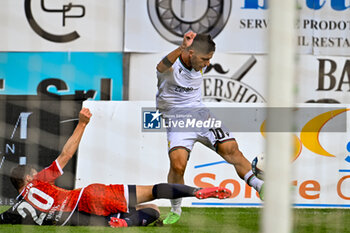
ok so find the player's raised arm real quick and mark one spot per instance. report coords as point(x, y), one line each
point(169, 60)
point(72, 144)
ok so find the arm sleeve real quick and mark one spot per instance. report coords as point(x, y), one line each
point(51, 173)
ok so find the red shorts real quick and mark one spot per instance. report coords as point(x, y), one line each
point(100, 199)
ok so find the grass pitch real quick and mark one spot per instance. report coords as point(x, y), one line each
point(240, 220)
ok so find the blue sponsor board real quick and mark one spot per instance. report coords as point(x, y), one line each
point(97, 76)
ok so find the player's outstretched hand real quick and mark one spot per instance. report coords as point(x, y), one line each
point(84, 116)
point(188, 39)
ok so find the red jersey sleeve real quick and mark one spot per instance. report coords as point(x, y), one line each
point(50, 174)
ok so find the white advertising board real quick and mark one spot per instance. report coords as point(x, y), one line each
point(323, 79)
point(242, 78)
point(116, 149)
point(68, 25)
point(239, 26)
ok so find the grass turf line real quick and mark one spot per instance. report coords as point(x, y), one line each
point(240, 220)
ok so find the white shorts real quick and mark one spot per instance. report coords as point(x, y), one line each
point(186, 137)
point(186, 140)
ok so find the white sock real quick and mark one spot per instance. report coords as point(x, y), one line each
point(253, 181)
point(176, 205)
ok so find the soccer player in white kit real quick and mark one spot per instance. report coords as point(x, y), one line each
point(180, 76)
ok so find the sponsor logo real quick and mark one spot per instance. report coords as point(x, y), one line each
point(181, 122)
point(230, 89)
point(322, 31)
point(328, 81)
point(44, 91)
point(310, 133)
point(332, 81)
point(192, 123)
point(151, 120)
point(172, 19)
point(338, 5)
point(64, 10)
point(308, 189)
point(183, 89)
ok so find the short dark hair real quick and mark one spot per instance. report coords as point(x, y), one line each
point(203, 43)
point(18, 174)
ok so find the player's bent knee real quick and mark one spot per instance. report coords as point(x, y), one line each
point(178, 166)
point(178, 169)
point(142, 217)
point(148, 215)
point(228, 149)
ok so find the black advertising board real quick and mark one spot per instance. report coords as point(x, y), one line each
point(34, 129)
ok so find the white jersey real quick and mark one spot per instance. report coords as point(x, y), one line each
point(180, 90)
point(180, 87)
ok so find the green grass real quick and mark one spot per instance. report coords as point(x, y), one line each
point(240, 220)
point(322, 220)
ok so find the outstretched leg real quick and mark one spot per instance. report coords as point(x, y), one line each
point(173, 191)
point(146, 214)
point(230, 152)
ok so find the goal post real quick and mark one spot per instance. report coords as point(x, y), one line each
point(277, 216)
